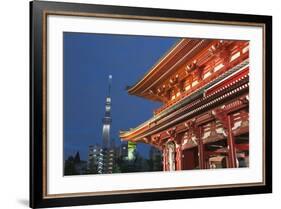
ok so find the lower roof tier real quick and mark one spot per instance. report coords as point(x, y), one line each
point(223, 89)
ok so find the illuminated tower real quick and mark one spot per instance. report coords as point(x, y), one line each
point(106, 158)
point(107, 118)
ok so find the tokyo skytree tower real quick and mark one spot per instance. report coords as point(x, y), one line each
point(107, 118)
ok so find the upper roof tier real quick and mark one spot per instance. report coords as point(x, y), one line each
point(183, 67)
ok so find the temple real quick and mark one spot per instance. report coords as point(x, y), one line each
point(203, 120)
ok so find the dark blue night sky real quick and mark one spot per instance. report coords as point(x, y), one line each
point(88, 61)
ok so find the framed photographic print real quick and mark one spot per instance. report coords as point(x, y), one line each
point(139, 104)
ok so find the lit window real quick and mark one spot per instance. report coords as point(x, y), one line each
point(187, 87)
point(207, 74)
point(245, 49)
point(218, 67)
point(236, 55)
point(194, 83)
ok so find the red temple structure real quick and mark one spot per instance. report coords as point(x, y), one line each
point(203, 122)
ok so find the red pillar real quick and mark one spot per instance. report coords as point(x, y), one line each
point(179, 159)
point(201, 149)
point(164, 159)
point(231, 144)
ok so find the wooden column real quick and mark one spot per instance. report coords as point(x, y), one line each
point(231, 144)
point(201, 153)
point(225, 118)
point(179, 159)
point(164, 159)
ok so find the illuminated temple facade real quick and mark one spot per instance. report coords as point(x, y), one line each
point(203, 122)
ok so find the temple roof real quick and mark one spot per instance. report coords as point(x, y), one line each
point(183, 51)
point(194, 75)
point(233, 75)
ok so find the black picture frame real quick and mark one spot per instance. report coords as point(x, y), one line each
point(38, 11)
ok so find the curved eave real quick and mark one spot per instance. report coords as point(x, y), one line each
point(128, 135)
point(180, 54)
point(148, 96)
point(162, 61)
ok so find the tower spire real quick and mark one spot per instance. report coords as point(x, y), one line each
point(106, 160)
point(109, 84)
point(107, 117)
